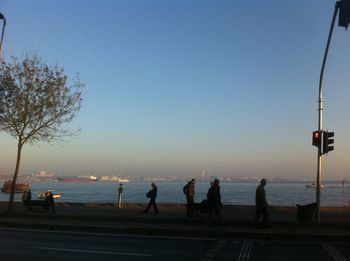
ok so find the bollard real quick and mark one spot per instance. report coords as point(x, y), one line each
point(120, 192)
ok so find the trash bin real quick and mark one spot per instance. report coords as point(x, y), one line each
point(306, 213)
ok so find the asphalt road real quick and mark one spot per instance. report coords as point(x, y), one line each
point(18, 244)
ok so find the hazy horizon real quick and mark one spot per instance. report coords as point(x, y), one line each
point(175, 87)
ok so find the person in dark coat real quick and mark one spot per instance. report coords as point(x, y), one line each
point(261, 206)
point(27, 198)
point(214, 201)
point(189, 191)
point(50, 202)
point(152, 194)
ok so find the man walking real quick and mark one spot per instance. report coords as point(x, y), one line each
point(261, 206)
point(189, 192)
point(214, 201)
point(152, 194)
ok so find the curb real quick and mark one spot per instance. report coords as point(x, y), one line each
point(200, 231)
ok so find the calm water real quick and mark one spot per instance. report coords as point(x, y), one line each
point(237, 192)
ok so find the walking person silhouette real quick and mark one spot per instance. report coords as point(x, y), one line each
point(152, 194)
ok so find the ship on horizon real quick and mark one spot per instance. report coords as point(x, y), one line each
point(19, 187)
point(77, 179)
point(115, 179)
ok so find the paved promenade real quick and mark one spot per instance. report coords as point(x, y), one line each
point(172, 221)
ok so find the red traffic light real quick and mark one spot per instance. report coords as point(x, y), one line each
point(317, 134)
point(316, 138)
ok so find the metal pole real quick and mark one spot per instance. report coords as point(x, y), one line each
point(320, 117)
point(3, 31)
point(120, 193)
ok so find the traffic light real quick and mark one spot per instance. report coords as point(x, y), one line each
point(344, 13)
point(328, 140)
point(316, 138)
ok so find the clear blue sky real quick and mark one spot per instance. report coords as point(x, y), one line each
point(175, 87)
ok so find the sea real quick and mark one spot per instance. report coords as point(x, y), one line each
point(279, 193)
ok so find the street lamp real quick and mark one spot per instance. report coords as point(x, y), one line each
point(2, 17)
point(343, 6)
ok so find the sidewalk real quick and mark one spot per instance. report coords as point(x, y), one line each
point(172, 221)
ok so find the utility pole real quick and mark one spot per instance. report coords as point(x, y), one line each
point(343, 6)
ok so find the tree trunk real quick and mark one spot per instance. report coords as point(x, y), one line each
point(11, 203)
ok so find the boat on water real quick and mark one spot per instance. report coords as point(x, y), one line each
point(313, 185)
point(78, 179)
point(19, 188)
point(42, 194)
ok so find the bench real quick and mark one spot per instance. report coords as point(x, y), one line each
point(30, 204)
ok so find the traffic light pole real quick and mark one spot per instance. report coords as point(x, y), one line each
point(320, 117)
point(2, 17)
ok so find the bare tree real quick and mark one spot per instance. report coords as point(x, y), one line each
point(36, 104)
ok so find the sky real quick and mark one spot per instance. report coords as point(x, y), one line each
point(178, 87)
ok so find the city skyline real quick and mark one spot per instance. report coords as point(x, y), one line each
point(173, 88)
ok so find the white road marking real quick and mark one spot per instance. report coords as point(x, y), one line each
point(211, 255)
point(218, 246)
point(333, 252)
point(214, 250)
point(93, 251)
point(106, 234)
point(245, 251)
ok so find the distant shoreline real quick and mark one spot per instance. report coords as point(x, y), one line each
point(144, 179)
